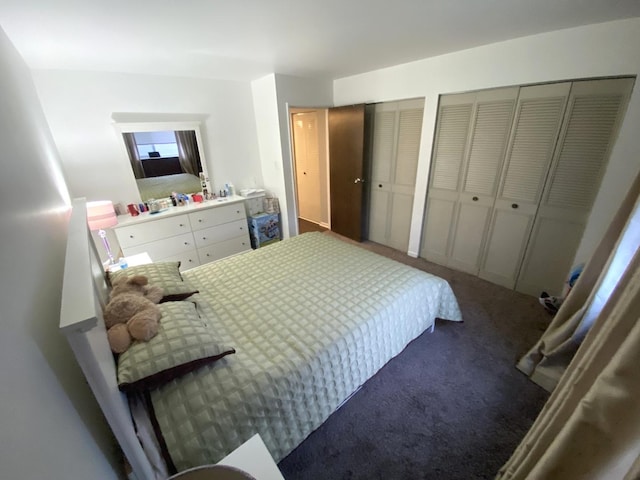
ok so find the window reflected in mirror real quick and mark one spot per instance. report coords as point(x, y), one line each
point(164, 162)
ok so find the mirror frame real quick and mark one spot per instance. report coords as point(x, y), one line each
point(132, 127)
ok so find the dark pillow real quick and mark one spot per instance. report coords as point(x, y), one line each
point(183, 344)
point(162, 274)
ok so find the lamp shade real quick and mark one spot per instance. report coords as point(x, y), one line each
point(101, 215)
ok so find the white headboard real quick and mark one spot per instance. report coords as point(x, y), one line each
point(84, 293)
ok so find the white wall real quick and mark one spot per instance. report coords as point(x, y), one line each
point(273, 95)
point(51, 426)
point(597, 50)
point(79, 107)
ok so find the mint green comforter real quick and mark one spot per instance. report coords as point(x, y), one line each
point(311, 318)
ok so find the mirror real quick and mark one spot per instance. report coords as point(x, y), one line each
point(165, 158)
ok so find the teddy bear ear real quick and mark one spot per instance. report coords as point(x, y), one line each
point(140, 280)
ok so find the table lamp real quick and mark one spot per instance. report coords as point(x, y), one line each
point(101, 215)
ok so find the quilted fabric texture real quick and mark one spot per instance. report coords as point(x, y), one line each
point(312, 318)
point(183, 344)
point(162, 274)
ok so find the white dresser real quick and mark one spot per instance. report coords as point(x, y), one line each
point(195, 234)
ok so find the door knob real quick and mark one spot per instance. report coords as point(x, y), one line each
point(358, 180)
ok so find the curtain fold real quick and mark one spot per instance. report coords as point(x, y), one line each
point(590, 426)
point(547, 360)
point(134, 157)
point(188, 154)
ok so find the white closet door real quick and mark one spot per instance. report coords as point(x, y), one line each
point(382, 151)
point(395, 150)
point(307, 161)
point(539, 114)
point(450, 147)
point(594, 113)
point(491, 123)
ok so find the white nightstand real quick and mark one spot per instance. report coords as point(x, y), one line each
point(132, 260)
point(254, 458)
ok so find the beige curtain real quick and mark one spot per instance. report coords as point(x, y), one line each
point(188, 154)
point(134, 157)
point(547, 360)
point(590, 427)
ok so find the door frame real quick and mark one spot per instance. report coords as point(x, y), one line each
point(291, 110)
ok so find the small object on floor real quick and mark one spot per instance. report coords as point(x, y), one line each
point(551, 304)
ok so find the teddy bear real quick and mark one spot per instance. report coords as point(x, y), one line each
point(138, 284)
point(132, 313)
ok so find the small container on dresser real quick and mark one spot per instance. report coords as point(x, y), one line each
point(195, 234)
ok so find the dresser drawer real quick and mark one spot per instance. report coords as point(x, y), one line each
point(164, 248)
point(217, 215)
point(187, 260)
point(223, 249)
point(219, 233)
point(154, 230)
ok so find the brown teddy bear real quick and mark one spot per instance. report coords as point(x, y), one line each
point(132, 313)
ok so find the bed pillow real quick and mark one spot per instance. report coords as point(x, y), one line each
point(183, 344)
point(162, 274)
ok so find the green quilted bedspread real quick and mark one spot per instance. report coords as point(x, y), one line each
point(311, 318)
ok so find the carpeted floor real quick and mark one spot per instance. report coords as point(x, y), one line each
point(450, 406)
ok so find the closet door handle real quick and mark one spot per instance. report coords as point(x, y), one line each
point(514, 205)
point(475, 199)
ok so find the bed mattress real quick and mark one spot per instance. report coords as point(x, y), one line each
point(311, 319)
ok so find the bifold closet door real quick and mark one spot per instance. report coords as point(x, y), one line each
point(593, 115)
point(397, 129)
point(471, 139)
point(538, 118)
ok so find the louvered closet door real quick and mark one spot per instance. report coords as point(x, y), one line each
point(450, 147)
point(491, 122)
point(396, 145)
point(538, 118)
point(594, 113)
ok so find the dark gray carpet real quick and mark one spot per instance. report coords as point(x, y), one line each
point(450, 406)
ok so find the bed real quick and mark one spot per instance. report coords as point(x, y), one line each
point(310, 318)
point(164, 186)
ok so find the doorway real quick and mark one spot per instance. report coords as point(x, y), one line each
point(311, 168)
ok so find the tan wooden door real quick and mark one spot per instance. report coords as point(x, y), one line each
point(346, 166)
point(307, 165)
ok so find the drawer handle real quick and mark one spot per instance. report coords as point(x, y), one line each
point(181, 224)
point(186, 243)
point(241, 228)
point(514, 205)
point(208, 255)
point(379, 185)
point(204, 238)
point(130, 236)
point(237, 211)
point(200, 220)
point(475, 199)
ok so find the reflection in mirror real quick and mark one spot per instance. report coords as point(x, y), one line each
point(165, 156)
point(164, 162)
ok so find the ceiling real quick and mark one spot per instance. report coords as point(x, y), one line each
point(246, 39)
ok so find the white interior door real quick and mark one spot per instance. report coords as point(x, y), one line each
point(450, 146)
point(491, 123)
point(533, 138)
point(594, 113)
point(307, 164)
point(397, 129)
